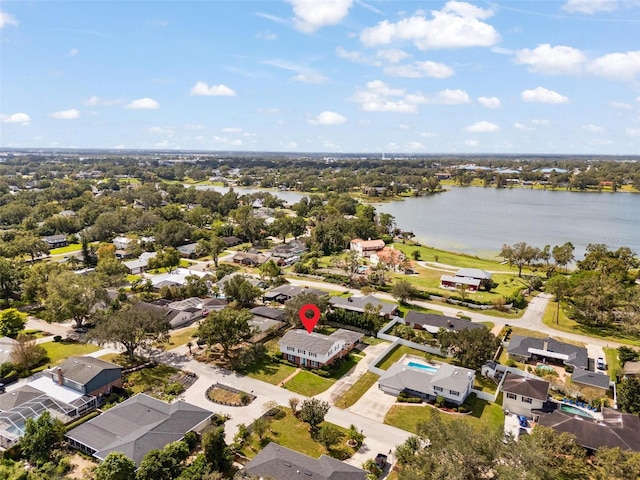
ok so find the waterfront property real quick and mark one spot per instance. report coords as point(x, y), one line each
point(522, 395)
point(137, 426)
point(525, 349)
point(275, 461)
point(417, 378)
point(315, 350)
point(365, 248)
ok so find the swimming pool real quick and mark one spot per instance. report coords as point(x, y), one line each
point(577, 411)
point(422, 366)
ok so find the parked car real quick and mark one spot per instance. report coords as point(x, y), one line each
point(381, 460)
point(600, 364)
point(2, 388)
point(522, 420)
point(81, 330)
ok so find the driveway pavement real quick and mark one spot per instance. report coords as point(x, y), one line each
point(373, 404)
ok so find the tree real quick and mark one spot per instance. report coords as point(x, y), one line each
point(72, 296)
point(260, 427)
point(293, 404)
point(34, 286)
point(88, 253)
point(31, 245)
point(403, 291)
point(629, 395)
point(595, 298)
point(293, 306)
point(471, 346)
point(298, 226)
point(41, 436)
point(563, 254)
point(27, 353)
point(329, 435)
point(416, 255)
point(313, 412)
point(112, 270)
point(349, 263)
point(215, 449)
point(239, 289)
point(213, 246)
point(617, 463)
point(158, 465)
point(132, 327)
point(270, 269)
point(10, 276)
point(116, 466)
point(168, 258)
point(520, 254)
point(11, 322)
point(281, 227)
point(558, 285)
point(227, 327)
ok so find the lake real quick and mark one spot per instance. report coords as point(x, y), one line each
point(478, 221)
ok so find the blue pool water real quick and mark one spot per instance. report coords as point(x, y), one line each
point(428, 368)
point(577, 411)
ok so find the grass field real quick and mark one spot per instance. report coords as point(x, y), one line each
point(73, 247)
point(484, 415)
point(149, 378)
point(458, 260)
point(268, 371)
point(180, 338)
point(613, 362)
point(565, 324)
point(308, 384)
point(58, 351)
point(358, 389)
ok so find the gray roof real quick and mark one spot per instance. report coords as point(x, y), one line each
point(138, 425)
point(268, 312)
point(527, 387)
point(316, 342)
point(452, 377)
point(17, 397)
point(593, 379)
point(291, 291)
point(358, 304)
point(348, 336)
point(54, 238)
point(281, 463)
point(256, 282)
point(84, 369)
point(6, 347)
point(188, 249)
point(617, 430)
point(569, 354)
point(440, 321)
point(631, 368)
point(401, 376)
point(473, 273)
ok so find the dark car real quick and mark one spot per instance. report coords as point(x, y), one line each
point(81, 330)
point(381, 460)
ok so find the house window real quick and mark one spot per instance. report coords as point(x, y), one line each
point(313, 363)
point(437, 389)
point(303, 352)
point(292, 357)
point(454, 393)
point(526, 400)
point(291, 349)
point(314, 355)
point(512, 396)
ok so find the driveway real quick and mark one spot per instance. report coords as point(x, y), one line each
point(373, 404)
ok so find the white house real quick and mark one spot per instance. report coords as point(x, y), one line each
point(122, 243)
point(365, 248)
point(315, 350)
point(522, 395)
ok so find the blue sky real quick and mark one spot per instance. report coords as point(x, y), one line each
point(323, 75)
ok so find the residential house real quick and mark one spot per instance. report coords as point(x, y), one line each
point(587, 378)
point(176, 278)
point(55, 241)
point(180, 313)
point(122, 243)
point(6, 348)
point(522, 395)
point(631, 370)
point(137, 426)
point(358, 304)
point(288, 250)
point(189, 250)
point(388, 256)
point(266, 321)
point(87, 375)
point(277, 462)
point(315, 350)
point(231, 241)
point(471, 278)
point(136, 267)
point(417, 378)
point(251, 259)
point(365, 248)
point(432, 323)
point(255, 281)
point(525, 349)
point(616, 429)
point(286, 292)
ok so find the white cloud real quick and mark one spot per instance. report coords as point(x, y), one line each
point(95, 101)
point(621, 105)
point(310, 15)
point(7, 19)
point(540, 121)
point(403, 126)
point(72, 53)
point(167, 131)
point(202, 89)
point(327, 118)
point(483, 127)
point(543, 95)
point(590, 6)
point(619, 66)
point(472, 143)
point(420, 69)
point(158, 23)
point(415, 146)
point(392, 55)
point(21, 118)
point(457, 25)
point(305, 74)
point(194, 126)
point(490, 102)
point(450, 97)
point(310, 77)
point(289, 145)
point(592, 128)
point(550, 60)
point(427, 134)
point(145, 103)
point(523, 127)
point(633, 132)
point(70, 114)
point(379, 97)
point(267, 36)
point(232, 130)
point(272, 18)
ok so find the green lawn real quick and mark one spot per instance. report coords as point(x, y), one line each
point(73, 247)
point(489, 325)
point(58, 351)
point(294, 434)
point(565, 324)
point(149, 378)
point(484, 384)
point(405, 308)
point(268, 371)
point(460, 260)
point(484, 415)
point(613, 362)
point(180, 338)
point(356, 390)
point(308, 384)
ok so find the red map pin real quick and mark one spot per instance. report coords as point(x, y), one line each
point(309, 322)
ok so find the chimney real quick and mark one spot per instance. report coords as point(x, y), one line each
point(60, 377)
point(545, 346)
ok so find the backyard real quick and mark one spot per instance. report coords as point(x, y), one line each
point(59, 351)
point(394, 355)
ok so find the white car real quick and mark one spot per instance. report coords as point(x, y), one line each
point(600, 365)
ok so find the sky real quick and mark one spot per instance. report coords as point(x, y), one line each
point(545, 77)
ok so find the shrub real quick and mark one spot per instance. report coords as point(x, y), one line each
point(57, 338)
point(511, 363)
point(463, 409)
point(191, 439)
point(6, 369)
point(174, 388)
point(440, 401)
point(321, 373)
point(409, 399)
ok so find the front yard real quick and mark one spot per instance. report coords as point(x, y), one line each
point(309, 384)
point(358, 389)
point(59, 351)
